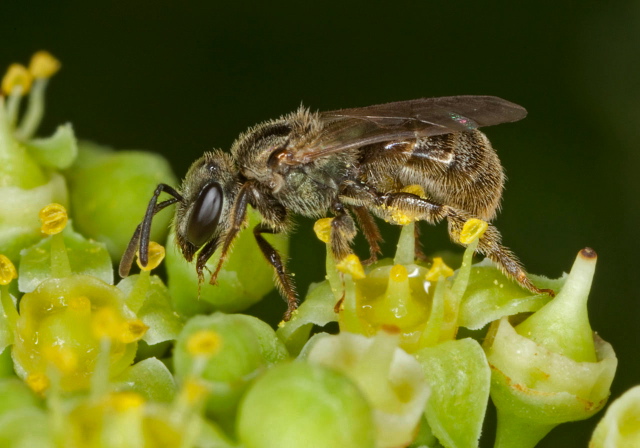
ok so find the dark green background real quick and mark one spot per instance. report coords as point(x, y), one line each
point(183, 77)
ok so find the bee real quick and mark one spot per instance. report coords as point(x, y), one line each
point(349, 162)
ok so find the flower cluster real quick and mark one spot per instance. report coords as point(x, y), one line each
point(421, 346)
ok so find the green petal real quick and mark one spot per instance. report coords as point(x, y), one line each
point(57, 151)
point(14, 395)
point(316, 309)
point(460, 379)
point(490, 295)
point(86, 257)
point(26, 427)
point(150, 378)
point(19, 208)
point(156, 310)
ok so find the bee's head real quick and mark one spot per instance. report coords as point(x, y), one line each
point(208, 192)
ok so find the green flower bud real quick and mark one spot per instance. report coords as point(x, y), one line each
point(110, 192)
point(304, 405)
point(460, 379)
point(535, 389)
point(245, 278)
point(62, 330)
point(227, 352)
point(391, 380)
point(619, 427)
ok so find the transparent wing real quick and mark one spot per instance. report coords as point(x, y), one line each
point(403, 120)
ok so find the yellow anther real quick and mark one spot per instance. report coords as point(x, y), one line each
point(438, 269)
point(123, 401)
point(43, 65)
point(80, 304)
point(54, 219)
point(322, 227)
point(7, 270)
point(63, 358)
point(472, 229)
point(155, 257)
point(17, 76)
point(132, 331)
point(398, 273)
point(204, 343)
point(415, 189)
point(194, 390)
point(37, 382)
point(351, 265)
point(106, 323)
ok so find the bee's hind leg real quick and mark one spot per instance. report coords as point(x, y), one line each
point(343, 231)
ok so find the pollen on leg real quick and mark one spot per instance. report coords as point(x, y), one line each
point(472, 229)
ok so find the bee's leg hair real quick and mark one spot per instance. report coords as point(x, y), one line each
point(283, 279)
point(371, 233)
point(343, 231)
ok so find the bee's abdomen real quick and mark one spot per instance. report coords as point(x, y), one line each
point(459, 169)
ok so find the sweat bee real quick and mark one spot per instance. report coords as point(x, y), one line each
point(349, 162)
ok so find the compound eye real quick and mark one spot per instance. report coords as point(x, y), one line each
point(205, 214)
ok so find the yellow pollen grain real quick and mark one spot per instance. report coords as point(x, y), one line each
point(155, 257)
point(43, 65)
point(7, 270)
point(37, 382)
point(204, 343)
point(438, 269)
point(398, 273)
point(54, 219)
point(401, 218)
point(194, 390)
point(17, 76)
point(123, 401)
point(415, 189)
point(63, 358)
point(132, 331)
point(106, 322)
point(351, 265)
point(322, 227)
point(79, 303)
point(472, 229)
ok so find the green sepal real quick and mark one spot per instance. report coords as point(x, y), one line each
point(6, 363)
point(460, 380)
point(58, 151)
point(490, 295)
point(156, 310)
point(86, 257)
point(316, 309)
point(150, 378)
point(245, 278)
